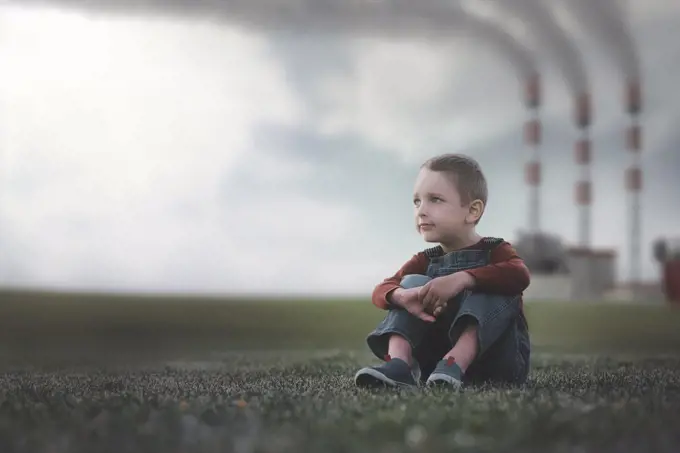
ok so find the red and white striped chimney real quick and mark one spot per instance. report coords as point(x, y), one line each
point(583, 157)
point(633, 183)
point(532, 169)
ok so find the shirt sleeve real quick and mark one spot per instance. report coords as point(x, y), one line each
point(506, 274)
point(416, 265)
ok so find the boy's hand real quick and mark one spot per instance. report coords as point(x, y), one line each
point(409, 301)
point(438, 292)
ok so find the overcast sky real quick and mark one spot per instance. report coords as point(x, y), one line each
point(161, 155)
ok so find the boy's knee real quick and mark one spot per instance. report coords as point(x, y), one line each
point(414, 281)
point(485, 307)
point(396, 322)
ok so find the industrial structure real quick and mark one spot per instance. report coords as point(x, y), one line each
point(560, 272)
point(533, 164)
point(584, 272)
point(667, 254)
point(633, 183)
point(583, 156)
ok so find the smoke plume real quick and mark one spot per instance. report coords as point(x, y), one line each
point(398, 19)
point(520, 56)
point(552, 38)
point(605, 21)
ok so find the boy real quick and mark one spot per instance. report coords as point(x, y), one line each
point(454, 311)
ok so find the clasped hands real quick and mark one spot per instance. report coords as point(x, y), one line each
point(428, 301)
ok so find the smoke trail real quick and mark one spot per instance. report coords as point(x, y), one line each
point(398, 18)
point(504, 43)
point(407, 19)
point(605, 20)
point(455, 20)
point(548, 34)
point(272, 15)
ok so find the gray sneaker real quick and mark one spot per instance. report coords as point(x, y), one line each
point(446, 373)
point(392, 373)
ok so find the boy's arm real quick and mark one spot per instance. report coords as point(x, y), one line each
point(381, 294)
point(506, 274)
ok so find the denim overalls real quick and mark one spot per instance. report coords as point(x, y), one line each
point(504, 346)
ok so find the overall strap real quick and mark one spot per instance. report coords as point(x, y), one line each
point(491, 242)
point(434, 252)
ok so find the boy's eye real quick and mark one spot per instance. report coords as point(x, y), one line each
point(416, 201)
point(436, 199)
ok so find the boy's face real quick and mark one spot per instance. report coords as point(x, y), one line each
point(439, 213)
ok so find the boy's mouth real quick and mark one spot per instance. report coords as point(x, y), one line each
point(426, 226)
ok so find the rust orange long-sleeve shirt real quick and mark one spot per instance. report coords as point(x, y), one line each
point(505, 274)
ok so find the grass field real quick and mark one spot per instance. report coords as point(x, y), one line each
point(85, 373)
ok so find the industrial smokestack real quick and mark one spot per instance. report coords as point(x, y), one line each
point(584, 192)
point(633, 182)
point(532, 172)
point(552, 38)
point(633, 99)
point(533, 91)
point(634, 185)
point(604, 21)
point(583, 110)
point(583, 158)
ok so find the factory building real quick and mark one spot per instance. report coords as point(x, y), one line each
point(566, 273)
point(667, 254)
point(563, 273)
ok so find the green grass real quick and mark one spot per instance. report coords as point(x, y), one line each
point(259, 402)
point(85, 373)
point(35, 321)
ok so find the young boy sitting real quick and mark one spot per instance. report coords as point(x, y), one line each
point(454, 311)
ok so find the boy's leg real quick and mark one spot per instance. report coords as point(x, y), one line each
point(435, 344)
point(479, 328)
point(393, 341)
point(506, 361)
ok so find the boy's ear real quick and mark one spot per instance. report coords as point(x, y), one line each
point(475, 211)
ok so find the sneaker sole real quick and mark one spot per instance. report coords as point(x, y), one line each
point(372, 378)
point(441, 379)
